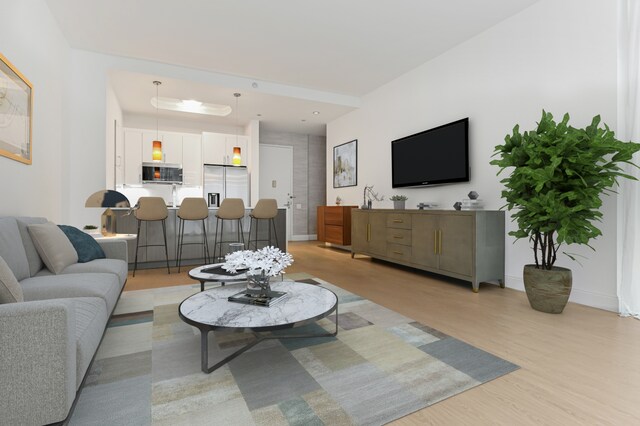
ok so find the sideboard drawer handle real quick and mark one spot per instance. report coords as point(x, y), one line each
point(398, 237)
point(398, 221)
point(398, 252)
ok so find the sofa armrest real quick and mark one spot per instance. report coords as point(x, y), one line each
point(37, 361)
point(115, 249)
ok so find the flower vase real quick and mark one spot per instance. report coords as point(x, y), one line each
point(258, 284)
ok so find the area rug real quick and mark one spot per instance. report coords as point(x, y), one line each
point(381, 366)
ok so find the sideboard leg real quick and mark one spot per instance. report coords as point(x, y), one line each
point(475, 286)
point(501, 282)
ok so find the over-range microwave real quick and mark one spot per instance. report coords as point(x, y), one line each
point(168, 173)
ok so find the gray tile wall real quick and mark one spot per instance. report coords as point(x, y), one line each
point(309, 168)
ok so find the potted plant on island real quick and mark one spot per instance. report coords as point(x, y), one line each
point(558, 174)
point(398, 201)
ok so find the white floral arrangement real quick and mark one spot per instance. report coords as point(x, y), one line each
point(269, 261)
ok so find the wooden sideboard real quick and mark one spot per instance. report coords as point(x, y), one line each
point(468, 245)
point(334, 224)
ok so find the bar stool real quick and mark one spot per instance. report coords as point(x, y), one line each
point(192, 209)
point(265, 209)
point(230, 209)
point(151, 209)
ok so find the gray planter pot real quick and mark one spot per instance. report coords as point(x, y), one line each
point(398, 205)
point(547, 291)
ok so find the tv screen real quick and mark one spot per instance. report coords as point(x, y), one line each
point(435, 156)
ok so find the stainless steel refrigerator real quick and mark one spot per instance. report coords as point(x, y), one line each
point(222, 182)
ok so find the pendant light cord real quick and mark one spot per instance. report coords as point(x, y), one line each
point(157, 83)
point(237, 95)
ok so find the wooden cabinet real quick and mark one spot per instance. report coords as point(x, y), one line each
point(468, 245)
point(368, 232)
point(334, 224)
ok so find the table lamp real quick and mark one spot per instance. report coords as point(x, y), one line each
point(107, 198)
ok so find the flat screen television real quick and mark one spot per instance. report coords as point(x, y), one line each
point(433, 157)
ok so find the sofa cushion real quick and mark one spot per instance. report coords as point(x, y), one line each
point(35, 263)
point(41, 287)
point(91, 319)
point(53, 246)
point(11, 248)
point(112, 266)
point(10, 290)
point(85, 245)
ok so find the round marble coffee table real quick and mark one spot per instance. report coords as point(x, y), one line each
point(215, 274)
point(210, 310)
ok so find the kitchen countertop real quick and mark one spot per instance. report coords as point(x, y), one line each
point(176, 208)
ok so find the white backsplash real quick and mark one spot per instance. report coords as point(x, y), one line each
point(159, 190)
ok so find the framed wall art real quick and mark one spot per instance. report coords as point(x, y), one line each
point(16, 106)
point(345, 164)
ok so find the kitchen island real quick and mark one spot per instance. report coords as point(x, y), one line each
point(153, 257)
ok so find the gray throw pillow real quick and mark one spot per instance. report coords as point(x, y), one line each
point(10, 290)
point(53, 246)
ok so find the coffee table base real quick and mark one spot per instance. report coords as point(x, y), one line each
point(204, 345)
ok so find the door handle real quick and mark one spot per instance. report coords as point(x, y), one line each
point(435, 241)
point(368, 232)
point(440, 242)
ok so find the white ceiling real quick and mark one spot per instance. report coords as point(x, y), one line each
point(134, 92)
point(347, 47)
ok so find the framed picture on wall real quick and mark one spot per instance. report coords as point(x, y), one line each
point(16, 106)
point(345, 164)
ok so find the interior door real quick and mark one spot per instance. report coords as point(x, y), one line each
point(276, 178)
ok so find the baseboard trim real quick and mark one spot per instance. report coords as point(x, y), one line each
point(310, 237)
point(582, 297)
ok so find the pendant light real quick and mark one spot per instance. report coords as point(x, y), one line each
point(236, 160)
point(156, 153)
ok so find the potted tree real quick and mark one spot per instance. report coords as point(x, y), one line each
point(557, 176)
point(398, 201)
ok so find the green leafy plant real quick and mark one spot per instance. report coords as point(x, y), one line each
point(398, 198)
point(558, 176)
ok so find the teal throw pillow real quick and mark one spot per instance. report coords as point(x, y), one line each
point(87, 247)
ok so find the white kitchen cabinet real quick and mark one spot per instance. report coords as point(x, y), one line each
point(132, 157)
point(119, 157)
point(192, 160)
point(214, 148)
point(217, 148)
point(172, 147)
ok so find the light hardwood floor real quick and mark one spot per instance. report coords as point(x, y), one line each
point(579, 367)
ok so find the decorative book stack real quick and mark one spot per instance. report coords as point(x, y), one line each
point(468, 204)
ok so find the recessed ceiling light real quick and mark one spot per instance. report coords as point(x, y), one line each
point(191, 105)
point(316, 112)
point(303, 120)
point(259, 115)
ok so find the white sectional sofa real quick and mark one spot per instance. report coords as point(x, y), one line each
point(48, 341)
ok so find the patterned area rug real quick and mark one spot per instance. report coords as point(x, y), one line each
point(381, 366)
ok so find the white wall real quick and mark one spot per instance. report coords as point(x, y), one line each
point(31, 40)
point(560, 56)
